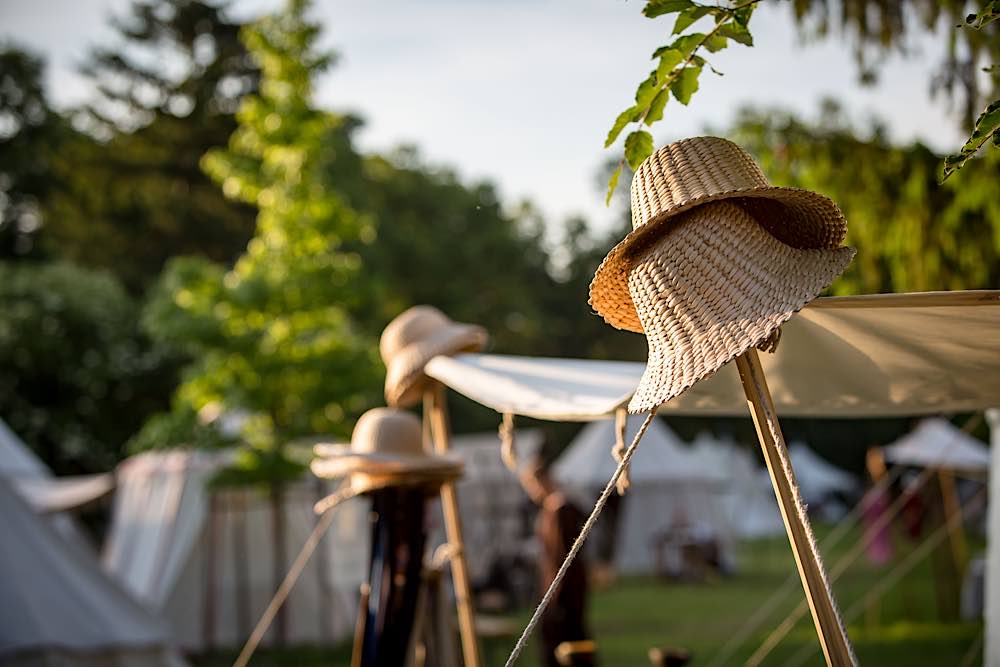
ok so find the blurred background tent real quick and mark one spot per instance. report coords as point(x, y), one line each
point(208, 558)
point(58, 608)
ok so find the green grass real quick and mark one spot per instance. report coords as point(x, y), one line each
point(638, 613)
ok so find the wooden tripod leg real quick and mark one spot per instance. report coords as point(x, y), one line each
point(441, 434)
point(832, 636)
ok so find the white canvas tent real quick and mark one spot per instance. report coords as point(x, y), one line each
point(670, 488)
point(491, 499)
point(938, 443)
point(209, 560)
point(58, 608)
point(819, 480)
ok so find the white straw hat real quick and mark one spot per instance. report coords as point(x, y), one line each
point(691, 172)
point(411, 340)
point(386, 449)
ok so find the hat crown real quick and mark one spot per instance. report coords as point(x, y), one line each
point(409, 327)
point(388, 431)
point(688, 171)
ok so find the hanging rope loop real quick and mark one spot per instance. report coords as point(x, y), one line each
point(618, 451)
point(508, 450)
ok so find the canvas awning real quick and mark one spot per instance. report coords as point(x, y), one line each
point(59, 494)
point(861, 356)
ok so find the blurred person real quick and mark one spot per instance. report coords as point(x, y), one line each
point(558, 523)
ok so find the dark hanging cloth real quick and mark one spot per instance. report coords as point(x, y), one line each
point(398, 538)
point(559, 522)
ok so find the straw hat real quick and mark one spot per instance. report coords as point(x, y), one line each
point(696, 171)
point(411, 340)
point(717, 261)
point(386, 449)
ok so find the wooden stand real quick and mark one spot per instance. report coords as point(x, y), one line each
point(832, 636)
point(434, 403)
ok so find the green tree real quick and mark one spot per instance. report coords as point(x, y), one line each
point(29, 136)
point(77, 376)
point(135, 194)
point(273, 335)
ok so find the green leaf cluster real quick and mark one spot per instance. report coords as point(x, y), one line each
point(679, 65)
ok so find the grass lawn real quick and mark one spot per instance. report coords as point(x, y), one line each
point(638, 613)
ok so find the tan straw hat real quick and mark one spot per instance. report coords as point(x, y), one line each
point(687, 173)
point(415, 337)
point(717, 261)
point(386, 449)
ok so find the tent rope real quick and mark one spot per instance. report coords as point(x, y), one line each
point(893, 577)
point(621, 423)
point(508, 450)
point(578, 543)
point(764, 611)
point(344, 493)
point(800, 508)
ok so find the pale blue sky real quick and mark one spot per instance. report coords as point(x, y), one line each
point(523, 92)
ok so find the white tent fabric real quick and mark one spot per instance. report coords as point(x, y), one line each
point(670, 487)
point(16, 459)
point(182, 549)
point(490, 496)
point(818, 479)
point(750, 506)
point(938, 443)
point(864, 356)
point(58, 608)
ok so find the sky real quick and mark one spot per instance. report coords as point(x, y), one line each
point(523, 92)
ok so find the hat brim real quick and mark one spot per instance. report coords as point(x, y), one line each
point(384, 465)
point(799, 218)
point(405, 380)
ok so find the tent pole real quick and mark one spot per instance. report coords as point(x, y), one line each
point(832, 636)
point(441, 435)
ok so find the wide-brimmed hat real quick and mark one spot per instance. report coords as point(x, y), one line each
point(415, 337)
point(692, 172)
point(386, 449)
point(714, 285)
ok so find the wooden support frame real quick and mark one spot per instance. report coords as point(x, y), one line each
point(832, 636)
point(440, 429)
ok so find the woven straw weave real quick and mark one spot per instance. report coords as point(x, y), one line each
point(412, 339)
point(697, 171)
point(713, 286)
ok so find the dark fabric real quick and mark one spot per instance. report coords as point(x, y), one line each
point(559, 522)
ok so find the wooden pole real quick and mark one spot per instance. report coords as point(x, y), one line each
point(956, 528)
point(441, 434)
point(832, 636)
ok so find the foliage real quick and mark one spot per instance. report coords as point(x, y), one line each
point(180, 427)
point(987, 126)
point(273, 336)
point(76, 375)
point(134, 193)
point(678, 66)
point(29, 133)
point(916, 234)
point(873, 22)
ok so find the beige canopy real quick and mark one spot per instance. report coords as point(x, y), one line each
point(860, 356)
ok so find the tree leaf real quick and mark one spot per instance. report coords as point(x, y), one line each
point(987, 128)
point(685, 85)
point(716, 43)
point(988, 14)
point(613, 183)
point(737, 33)
point(624, 118)
point(656, 107)
point(638, 147)
point(689, 16)
point(646, 91)
point(668, 60)
point(656, 8)
point(686, 44)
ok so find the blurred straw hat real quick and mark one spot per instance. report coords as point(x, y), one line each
point(691, 172)
point(411, 340)
point(386, 449)
point(717, 261)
